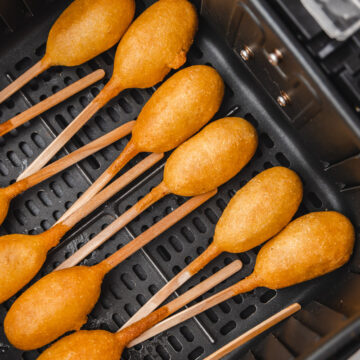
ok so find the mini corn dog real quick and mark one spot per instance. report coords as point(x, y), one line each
point(84, 30)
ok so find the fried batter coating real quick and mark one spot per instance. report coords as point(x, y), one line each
point(156, 42)
point(211, 157)
point(85, 345)
point(15, 251)
point(86, 29)
point(179, 108)
point(259, 210)
point(21, 257)
point(40, 315)
point(310, 246)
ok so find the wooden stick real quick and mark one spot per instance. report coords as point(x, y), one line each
point(51, 101)
point(193, 310)
point(157, 229)
point(63, 163)
point(111, 190)
point(181, 278)
point(194, 293)
point(126, 155)
point(67, 133)
point(154, 195)
point(142, 239)
point(255, 331)
point(23, 79)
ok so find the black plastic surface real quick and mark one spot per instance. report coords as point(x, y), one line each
point(339, 59)
point(135, 280)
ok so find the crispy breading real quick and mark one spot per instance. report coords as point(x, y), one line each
point(156, 42)
point(178, 109)
point(259, 210)
point(211, 157)
point(86, 29)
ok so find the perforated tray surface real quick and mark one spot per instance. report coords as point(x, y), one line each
point(128, 286)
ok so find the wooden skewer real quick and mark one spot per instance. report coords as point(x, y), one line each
point(74, 157)
point(51, 101)
point(85, 275)
point(34, 71)
point(65, 35)
point(13, 190)
point(157, 229)
point(187, 314)
point(193, 182)
point(27, 268)
point(157, 193)
point(111, 190)
point(257, 198)
point(141, 240)
point(129, 176)
point(312, 232)
point(68, 222)
point(157, 117)
point(255, 331)
point(203, 306)
point(181, 278)
point(125, 76)
point(126, 155)
point(68, 132)
point(165, 118)
point(189, 296)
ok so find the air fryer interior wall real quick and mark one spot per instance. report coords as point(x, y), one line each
point(330, 302)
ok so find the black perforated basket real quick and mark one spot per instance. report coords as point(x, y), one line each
point(328, 326)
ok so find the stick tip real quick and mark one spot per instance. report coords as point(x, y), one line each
point(100, 73)
point(237, 264)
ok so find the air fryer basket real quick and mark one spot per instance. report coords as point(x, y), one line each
point(329, 323)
